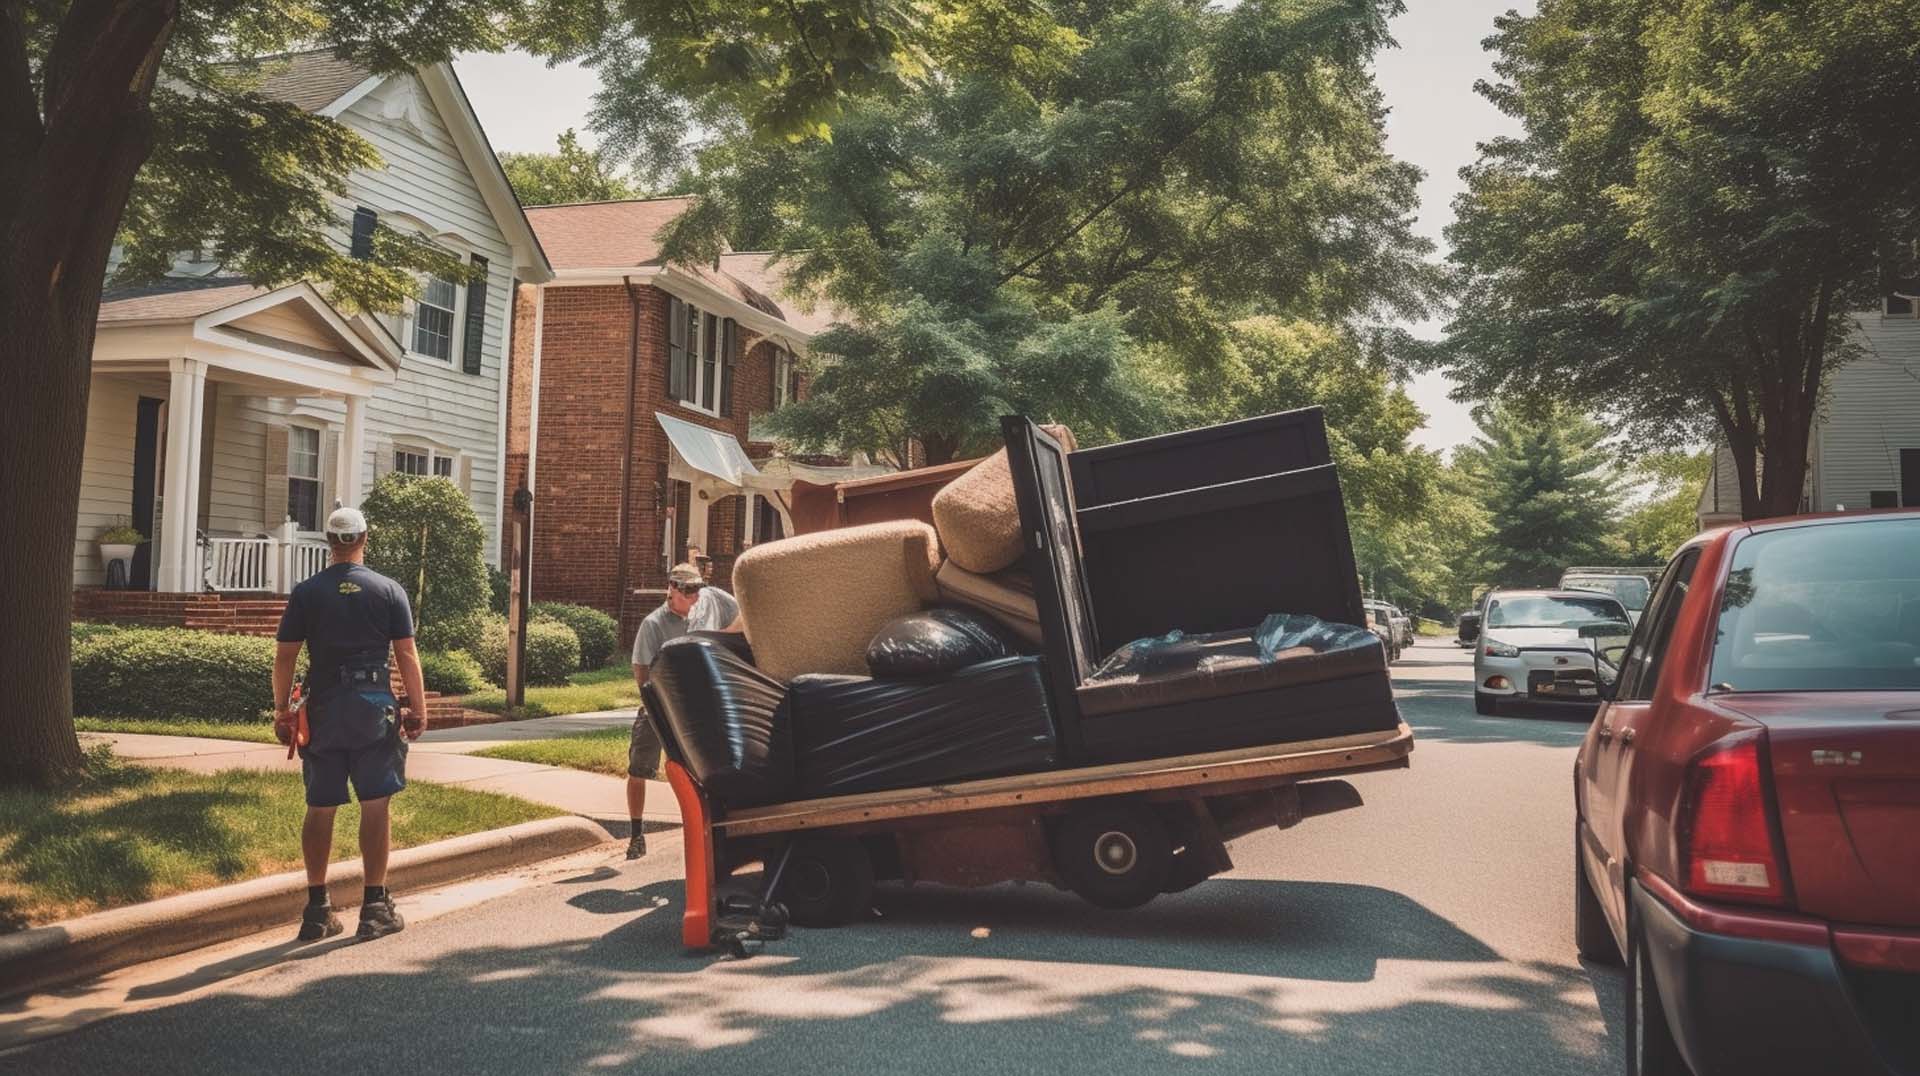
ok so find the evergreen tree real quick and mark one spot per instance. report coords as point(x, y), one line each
point(1547, 487)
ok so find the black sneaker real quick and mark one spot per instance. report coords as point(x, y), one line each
point(379, 918)
point(318, 921)
point(637, 846)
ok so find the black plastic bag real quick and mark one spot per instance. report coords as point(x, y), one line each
point(1177, 651)
point(724, 717)
point(936, 642)
point(852, 734)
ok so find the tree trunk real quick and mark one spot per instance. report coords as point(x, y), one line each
point(939, 448)
point(64, 184)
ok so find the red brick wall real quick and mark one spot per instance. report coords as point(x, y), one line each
point(583, 426)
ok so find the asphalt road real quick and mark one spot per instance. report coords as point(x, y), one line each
point(1428, 932)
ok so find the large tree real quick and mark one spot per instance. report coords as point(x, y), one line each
point(571, 173)
point(129, 117)
point(1549, 492)
point(1074, 185)
point(1703, 191)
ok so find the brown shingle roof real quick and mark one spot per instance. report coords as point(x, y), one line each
point(604, 235)
point(756, 270)
point(311, 80)
point(175, 298)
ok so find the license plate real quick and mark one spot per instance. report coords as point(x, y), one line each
point(1546, 689)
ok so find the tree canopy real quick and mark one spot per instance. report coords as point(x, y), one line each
point(1071, 187)
point(571, 173)
point(1702, 191)
point(1550, 495)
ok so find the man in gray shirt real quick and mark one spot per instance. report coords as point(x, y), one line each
point(691, 605)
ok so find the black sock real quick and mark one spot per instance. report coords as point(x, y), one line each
point(373, 893)
point(316, 896)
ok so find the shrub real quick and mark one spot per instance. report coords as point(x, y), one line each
point(452, 672)
point(599, 633)
point(169, 672)
point(553, 651)
point(457, 633)
point(415, 519)
point(88, 629)
point(499, 586)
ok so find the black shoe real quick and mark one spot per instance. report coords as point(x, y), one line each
point(637, 846)
point(318, 921)
point(379, 918)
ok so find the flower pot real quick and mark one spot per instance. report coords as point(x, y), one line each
point(117, 551)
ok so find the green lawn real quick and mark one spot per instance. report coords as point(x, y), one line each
point(127, 833)
point(610, 688)
point(599, 751)
point(255, 732)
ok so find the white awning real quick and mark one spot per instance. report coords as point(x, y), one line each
point(710, 452)
point(787, 470)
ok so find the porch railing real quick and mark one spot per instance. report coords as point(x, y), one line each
point(270, 565)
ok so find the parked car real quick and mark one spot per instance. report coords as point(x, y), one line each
point(1378, 624)
point(1398, 622)
point(1531, 648)
point(1631, 585)
point(1467, 627)
point(1747, 804)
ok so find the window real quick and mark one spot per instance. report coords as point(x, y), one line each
point(433, 319)
point(709, 394)
point(410, 461)
point(443, 466)
point(1833, 607)
point(785, 380)
point(763, 520)
point(1640, 669)
point(1883, 498)
point(425, 461)
point(700, 364)
point(1898, 307)
point(303, 477)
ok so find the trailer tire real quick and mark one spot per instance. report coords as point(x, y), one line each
point(1114, 855)
point(828, 882)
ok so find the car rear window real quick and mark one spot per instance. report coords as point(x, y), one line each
point(1832, 607)
point(1632, 590)
point(1542, 612)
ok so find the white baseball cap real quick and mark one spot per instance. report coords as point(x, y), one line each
point(346, 523)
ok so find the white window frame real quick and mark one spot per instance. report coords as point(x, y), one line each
point(319, 476)
point(434, 456)
point(783, 359)
point(697, 340)
point(458, 251)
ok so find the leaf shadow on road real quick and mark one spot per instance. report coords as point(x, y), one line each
point(1254, 976)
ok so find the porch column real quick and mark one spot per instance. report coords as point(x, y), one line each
point(352, 453)
point(180, 570)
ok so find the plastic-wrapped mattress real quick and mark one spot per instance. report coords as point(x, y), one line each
point(854, 734)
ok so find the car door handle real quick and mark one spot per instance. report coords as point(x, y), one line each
point(1606, 733)
point(1626, 735)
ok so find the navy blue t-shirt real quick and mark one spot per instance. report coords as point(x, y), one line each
point(346, 611)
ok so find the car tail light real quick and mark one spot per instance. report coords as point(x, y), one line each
point(1726, 827)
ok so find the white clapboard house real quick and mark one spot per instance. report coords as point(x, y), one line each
point(227, 418)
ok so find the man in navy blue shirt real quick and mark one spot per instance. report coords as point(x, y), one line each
point(349, 618)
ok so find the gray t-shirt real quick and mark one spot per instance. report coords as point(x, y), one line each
point(714, 610)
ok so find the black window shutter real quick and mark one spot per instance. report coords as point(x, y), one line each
point(476, 318)
point(677, 365)
point(729, 340)
point(361, 246)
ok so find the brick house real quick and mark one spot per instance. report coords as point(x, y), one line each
point(633, 395)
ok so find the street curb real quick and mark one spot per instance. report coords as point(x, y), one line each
point(41, 957)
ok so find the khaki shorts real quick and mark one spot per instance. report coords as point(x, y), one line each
point(643, 749)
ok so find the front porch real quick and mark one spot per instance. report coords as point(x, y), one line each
point(225, 422)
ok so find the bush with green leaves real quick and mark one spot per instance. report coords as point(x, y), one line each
point(452, 672)
point(457, 633)
point(552, 653)
point(171, 672)
point(415, 520)
point(599, 633)
point(500, 589)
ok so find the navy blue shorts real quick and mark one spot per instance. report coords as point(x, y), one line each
point(376, 771)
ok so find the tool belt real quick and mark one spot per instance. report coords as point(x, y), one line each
point(357, 712)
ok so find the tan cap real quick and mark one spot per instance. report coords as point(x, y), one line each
point(685, 575)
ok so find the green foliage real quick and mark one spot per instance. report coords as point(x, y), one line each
point(1653, 529)
point(552, 652)
point(121, 532)
point(415, 521)
point(599, 634)
point(457, 633)
point(1549, 494)
point(572, 173)
point(164, 672)
point(1703, 190)
point(1081, 186)
point(451, 672)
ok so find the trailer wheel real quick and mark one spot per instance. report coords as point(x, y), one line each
point(1114, 855)
point(828, 882)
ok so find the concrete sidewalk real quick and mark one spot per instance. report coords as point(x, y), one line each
point(473, 738)
point(440, 761)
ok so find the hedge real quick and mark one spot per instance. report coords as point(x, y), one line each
point(452, 672)
point(172, 672)
point(553, 651)
point(599, 633)
point(458, 633)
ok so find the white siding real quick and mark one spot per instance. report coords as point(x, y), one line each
point(238, 463)
point(106, 473)
point(425, 177)
point(1872, 411)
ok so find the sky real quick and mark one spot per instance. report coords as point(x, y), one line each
point(1435, 122)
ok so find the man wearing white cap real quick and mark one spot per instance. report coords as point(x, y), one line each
point(349, 618)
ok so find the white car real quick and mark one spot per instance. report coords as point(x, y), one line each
point(1530, 648)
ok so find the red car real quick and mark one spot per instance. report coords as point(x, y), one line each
point(1747, 828)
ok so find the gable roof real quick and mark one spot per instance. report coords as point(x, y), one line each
point(175, 298)
point(311, 80)
point(605, 235)
point(757, 270)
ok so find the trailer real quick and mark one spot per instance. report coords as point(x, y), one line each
point(1117, 835)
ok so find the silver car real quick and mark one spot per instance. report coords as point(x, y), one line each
point(1399, 623)
point(1530, 647)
